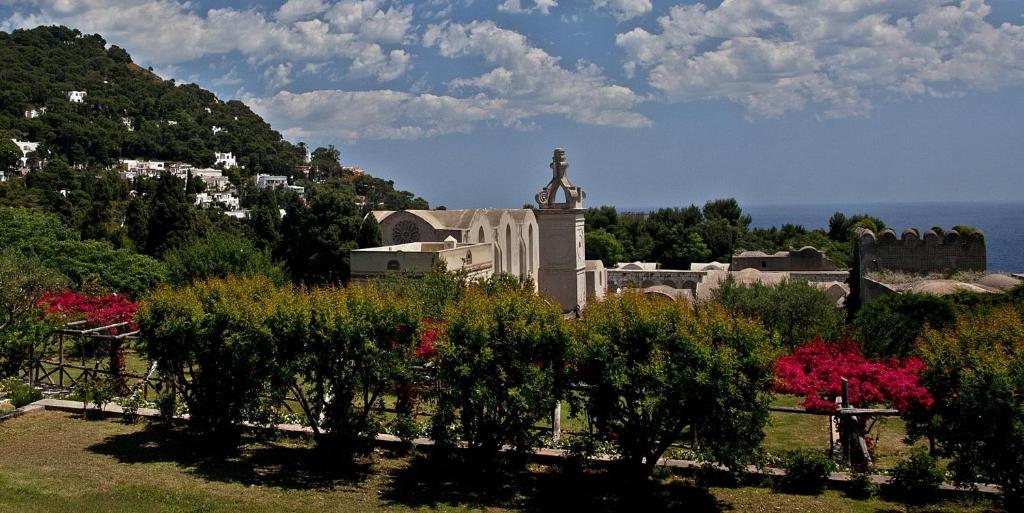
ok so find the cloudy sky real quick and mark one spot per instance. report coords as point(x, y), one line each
point(657, 102)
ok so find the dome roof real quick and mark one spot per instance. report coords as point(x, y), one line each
point(999, 281)
point(943, 287)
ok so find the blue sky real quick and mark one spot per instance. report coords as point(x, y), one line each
point(657, 102)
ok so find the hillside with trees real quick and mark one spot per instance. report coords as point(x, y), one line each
point(169, 121)
point(72, 180)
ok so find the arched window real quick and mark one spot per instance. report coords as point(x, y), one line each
point(529, 249)
point(480, 235)
point(508, 248)
point(393, 265)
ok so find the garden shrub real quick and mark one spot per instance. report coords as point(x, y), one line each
point(19, 392)
point(794, 310)
point(890, 325)
point(658, 368)
point(976, 374)
point(500, 367)
point(213, 340)
point(130, 407)
point(167, 405)
point(917, 478)
point(96, 391)
point(807, 471)
point(860, 486)
point(359, 344)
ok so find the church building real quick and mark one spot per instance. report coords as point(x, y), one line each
point(545, 245)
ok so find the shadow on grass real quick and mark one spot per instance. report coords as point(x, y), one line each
point(428, 482)
point(265, 463)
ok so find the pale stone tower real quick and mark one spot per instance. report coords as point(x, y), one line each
point(562, 272)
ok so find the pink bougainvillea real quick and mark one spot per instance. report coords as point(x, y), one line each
point(426, 348)
point(101, 310)
point(815, 371)
point(97, 311)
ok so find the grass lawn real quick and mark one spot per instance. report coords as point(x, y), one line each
point(58, 462)
point(794, 431)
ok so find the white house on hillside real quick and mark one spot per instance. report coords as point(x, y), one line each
point(224, 199)
point(272, 181)
point(225, 158)
point(26, 148)
point(35, 113)
point(76, 96)
point(214, 179)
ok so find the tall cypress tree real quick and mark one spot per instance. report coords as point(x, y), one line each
point(171, 219)
point(369, 233)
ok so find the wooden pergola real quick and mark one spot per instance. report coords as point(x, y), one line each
point(57, 373)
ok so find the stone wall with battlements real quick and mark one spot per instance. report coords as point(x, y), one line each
point(806, 258)
point(911, 253)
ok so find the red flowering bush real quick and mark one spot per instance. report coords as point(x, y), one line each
point(102, 310)
point(426, 348)
point(96, 311)
point(815, 370)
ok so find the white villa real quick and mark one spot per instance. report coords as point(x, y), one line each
point(35, 113)
point(225, 199)
point(135, 168)
point(225, 159)
point(214, 179)
point(76, 96)
point(272, 181)
point(26, 147)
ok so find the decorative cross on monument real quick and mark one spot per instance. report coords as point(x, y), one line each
point(559, 170)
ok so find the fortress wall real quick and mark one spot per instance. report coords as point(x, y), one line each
point(803, 259)
point(921, 255)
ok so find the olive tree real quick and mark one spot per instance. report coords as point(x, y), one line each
point(658, 369)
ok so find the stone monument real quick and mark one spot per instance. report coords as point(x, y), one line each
point(562, 272)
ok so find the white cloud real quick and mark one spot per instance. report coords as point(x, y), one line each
point(294, 10)
point(278, 76)
point(624, 9)
point(534, 77)
point(380, 114)
point(164, 32)
point(523, 83)
point(776, 56)
point(517, 7)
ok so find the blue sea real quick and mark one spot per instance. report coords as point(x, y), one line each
point(1002, 223)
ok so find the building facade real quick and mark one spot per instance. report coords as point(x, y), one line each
point(513, 234)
